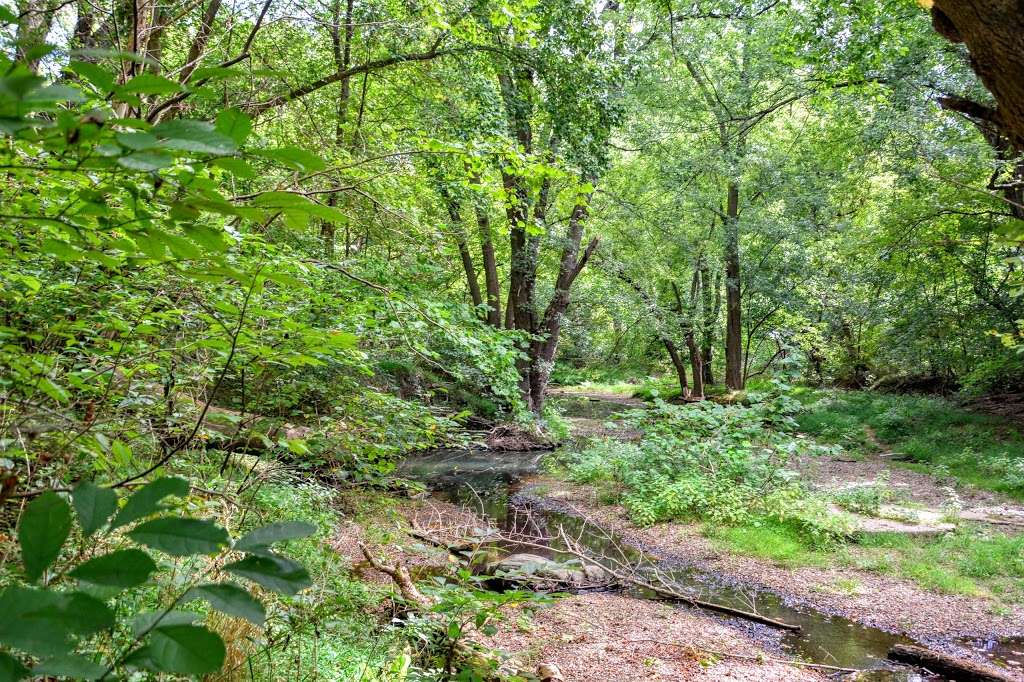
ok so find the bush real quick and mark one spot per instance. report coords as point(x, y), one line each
point(1004, 374)
point(67, 626)
point(722, 464)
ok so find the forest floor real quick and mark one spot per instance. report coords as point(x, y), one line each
point(919, 567)
point(901, 582)
point(832, 585)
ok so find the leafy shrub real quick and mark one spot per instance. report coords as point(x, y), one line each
point(603, 461)
point(66, 628)
point(865, 499)
point(1004, 374)
point(722, 464)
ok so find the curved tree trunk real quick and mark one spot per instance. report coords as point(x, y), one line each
point(993, 31)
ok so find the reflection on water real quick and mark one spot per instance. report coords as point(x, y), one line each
point(1008, 651)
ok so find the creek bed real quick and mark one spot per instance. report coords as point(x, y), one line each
point(491, 484)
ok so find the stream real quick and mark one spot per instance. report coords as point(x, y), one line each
point(491, 483)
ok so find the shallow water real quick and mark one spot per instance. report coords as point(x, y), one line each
point(486, 481)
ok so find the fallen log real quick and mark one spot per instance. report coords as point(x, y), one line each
point(959, 669)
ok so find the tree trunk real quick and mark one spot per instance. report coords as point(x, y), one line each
point(686, 323)
point(464, 254)
point(946, 665)
point(993, 31)
point(679, 365)
point(733, 304)
point(711, 301)
point(199, 42)
point(341, 50)
point(697, 365)
point(490, 268)
point(34, 20)
point(542, 351)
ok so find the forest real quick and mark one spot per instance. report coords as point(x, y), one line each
point(525, 340)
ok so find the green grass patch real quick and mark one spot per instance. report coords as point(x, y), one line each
point(968, 562)
point(939, 578)
point(770, 540)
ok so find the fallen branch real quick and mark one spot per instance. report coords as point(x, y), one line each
point(664, 590)
point(943, 664)
point(711, 606)
point(399, 574)
point(625, 574)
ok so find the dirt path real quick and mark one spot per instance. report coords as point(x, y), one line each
point(921, 496)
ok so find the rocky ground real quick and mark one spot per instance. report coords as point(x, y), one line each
point(587, 637)
point(880, 601)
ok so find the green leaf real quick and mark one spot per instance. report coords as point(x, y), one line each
point(295, 220)
point(294, 158)
point(94, 505)
point(75, 612)
point(208, 237)
point(230, 599)
point(147, 499)
point(70, 665)
point(53, 94)
point(186, 650)
point(44, 527)
point(234, 124)
point(329, 213)
point(180, 247)
point(181, 537)
point(137, 141)
point(103, 80)
point(237, 167)
point(61, 250)
point(41, 622)
point(273, 572)
point(150, 84)
point(261, 539)
point(123, 568)
point(141, 659)
point(152, 620)
point(193, 136)
point(19, 632)
point(52, 389)
point(146, 161)
point(11, 669)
